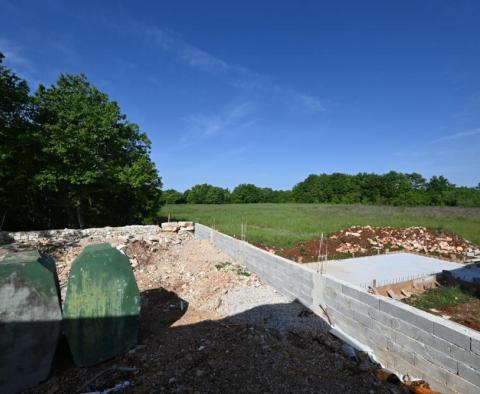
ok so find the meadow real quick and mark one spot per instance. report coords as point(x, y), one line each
point(284, 225)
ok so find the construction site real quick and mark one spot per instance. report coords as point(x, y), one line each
point(217, 314)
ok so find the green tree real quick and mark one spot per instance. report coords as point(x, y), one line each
point(439, 190)
point(307, 190)
point(247, 193)
point(18, 152)
point(171, 196)
point(95, 164)
point(207, 194)
point(282, 196)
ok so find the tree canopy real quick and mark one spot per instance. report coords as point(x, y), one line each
point(71, 158)
point(207, 194)
point(392, 188)
point(17, 149)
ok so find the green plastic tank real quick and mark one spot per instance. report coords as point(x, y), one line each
point(102, 305)
point(30, 319)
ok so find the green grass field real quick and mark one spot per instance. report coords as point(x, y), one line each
point(284, 225)
point(441, 297)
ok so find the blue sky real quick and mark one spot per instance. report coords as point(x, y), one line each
point(269, 92)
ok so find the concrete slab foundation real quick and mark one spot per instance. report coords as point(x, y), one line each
point(385, 268)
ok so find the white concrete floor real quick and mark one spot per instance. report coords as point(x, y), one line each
point(386, 268)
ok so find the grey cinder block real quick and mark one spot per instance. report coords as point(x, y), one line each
point(381, 317)
point(452, 332)
point(475, 345)
point(361, 295)
point(466, 357)
point(431, 370)
point(470, 374)
point(460, 385)
point(422, 336)
point(408, 313)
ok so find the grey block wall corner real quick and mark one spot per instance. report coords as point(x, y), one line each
point(405, 339)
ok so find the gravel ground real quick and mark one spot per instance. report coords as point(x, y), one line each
point(266, 307)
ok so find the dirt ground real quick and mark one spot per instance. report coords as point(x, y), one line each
point(460, 309)
point(359, 241)
point(187, 345)
point(467, 314)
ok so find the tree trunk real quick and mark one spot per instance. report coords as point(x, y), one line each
point(80, 214)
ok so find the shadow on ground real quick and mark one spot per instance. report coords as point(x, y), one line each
point(241, 353)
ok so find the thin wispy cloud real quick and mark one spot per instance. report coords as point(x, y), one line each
point(310, 103)
point(186, 53)
point(13, 54)
point(456, 136)
point(233, 117)
point(66, 48)
point(235, 75)
point(195, 57)
point(16, 58)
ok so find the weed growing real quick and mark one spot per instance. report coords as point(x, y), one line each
point(243, 272)
point(222, 266)
point(441, 298)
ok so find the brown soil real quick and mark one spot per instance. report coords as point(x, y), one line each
point(467, 314)
point(186, 346)
point(366, 241)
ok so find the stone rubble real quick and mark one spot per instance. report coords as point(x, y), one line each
point(410, 239)
point(65, 245)
point(151, 233)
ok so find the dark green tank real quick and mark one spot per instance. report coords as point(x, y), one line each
point(30, 319)
point(102, 305)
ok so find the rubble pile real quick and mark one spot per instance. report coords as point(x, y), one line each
point(195, 271)
point(65, 237)
point(65, 245)
point(360, 239)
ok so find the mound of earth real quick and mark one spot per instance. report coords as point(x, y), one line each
point(367, 240)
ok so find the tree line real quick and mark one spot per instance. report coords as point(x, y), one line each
point(70, 158)
point(209, 194)
point(392, 188)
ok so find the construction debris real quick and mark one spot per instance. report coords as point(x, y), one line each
point(367, 240)
point(410, 239)
point(204, 328)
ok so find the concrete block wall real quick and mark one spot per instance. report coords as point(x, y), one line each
point(289, 278)
point(403, 338)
